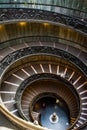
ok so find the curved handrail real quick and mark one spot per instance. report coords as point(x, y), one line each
point(14, 56)
point(19, 121)
point(15, 41)
point(25, 4)
point(9, 15)
point(48, 7)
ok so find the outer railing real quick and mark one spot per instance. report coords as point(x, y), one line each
point(26, 14)
point(47, 6)
point(14, 56)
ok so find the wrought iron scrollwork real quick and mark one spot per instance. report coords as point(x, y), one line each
point(12, 57)
point(8, 15)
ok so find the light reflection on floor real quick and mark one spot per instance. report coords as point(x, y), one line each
point(48, 108)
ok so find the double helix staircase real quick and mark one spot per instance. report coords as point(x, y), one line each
point(16, 76)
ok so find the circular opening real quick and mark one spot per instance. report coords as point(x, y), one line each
point(52, 90)
point(54, 112)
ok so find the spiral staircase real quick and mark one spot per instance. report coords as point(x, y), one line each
point(41, 53)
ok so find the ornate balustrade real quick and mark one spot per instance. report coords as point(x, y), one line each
point(14, 15)
point(12, 57)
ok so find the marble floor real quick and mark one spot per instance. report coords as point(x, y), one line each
point(48, 107)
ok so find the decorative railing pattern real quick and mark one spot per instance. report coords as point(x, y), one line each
point(54, 6)
point(9, 15)
point(9, 59)
point(12, 57)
